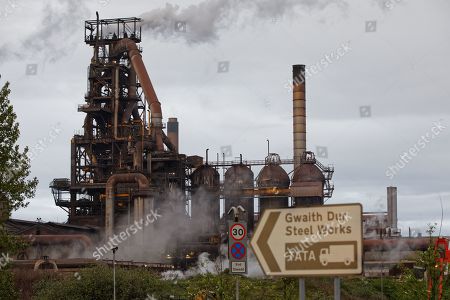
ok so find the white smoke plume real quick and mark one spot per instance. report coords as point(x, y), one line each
point(203, 266)
point(58, 31)
point(203, 22)
point(57, 34)
point(62, 22)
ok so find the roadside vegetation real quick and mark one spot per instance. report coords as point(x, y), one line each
point(96, 283)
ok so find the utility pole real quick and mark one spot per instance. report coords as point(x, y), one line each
point(237, 287)
point(114, 271)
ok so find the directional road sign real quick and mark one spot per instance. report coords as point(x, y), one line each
point(317, 240)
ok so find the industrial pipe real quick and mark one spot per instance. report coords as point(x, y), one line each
point(400, 244)
point(46, 262)
point(131, 107)
point(168, 142)
point(299, 112)
point(132, 92)
point(52, 239)
point(142, 182)
point(116, 101)
point(88, 134)
point(134, 55)
point(87, 127)
point(138, 154)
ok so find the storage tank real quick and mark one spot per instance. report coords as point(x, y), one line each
point(205, 205)
point(272, 175)
point(307, 182)
point(239, 177)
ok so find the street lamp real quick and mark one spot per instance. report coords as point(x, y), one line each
point(114, 271)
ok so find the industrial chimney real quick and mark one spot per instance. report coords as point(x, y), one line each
point(172, 132)
point(299, 112)
point(392, 206)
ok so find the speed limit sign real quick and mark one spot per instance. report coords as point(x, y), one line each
point(237, 247)
point(237, 231)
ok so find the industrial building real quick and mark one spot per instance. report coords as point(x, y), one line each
point(126, 164)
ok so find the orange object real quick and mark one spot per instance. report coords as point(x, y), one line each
point(442, 259)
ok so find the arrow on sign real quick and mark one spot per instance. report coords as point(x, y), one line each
point(264, 237)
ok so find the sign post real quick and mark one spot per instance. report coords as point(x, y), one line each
point(301, 289)
point(337, 288)
point(310, 241)
point(237, 245)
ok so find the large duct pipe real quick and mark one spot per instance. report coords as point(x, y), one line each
point(392, 206)
point(299, 112)
point(116, 101)
point(169, 143)
point(172, 132)
point(129, 46)
point(138, 154)
point(143, 184)
point(87, 127)
point(132, 96)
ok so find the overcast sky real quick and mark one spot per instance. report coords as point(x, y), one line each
point(378, 82)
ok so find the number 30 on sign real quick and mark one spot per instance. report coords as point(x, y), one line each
point(238, 232)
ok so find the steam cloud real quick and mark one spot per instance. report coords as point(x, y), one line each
point(62, 21)
point(60, 24)
point(56, 36)
point(205, 20)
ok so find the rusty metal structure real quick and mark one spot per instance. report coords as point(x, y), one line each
point(272, 175)
point(123, 164)
point(123, 156)
point(299, 112)
point(205, 206)
point(126, 163)
point(238, 178)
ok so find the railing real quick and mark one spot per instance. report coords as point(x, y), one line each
point(246, 162)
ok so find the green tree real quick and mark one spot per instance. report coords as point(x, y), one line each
point(15, 186)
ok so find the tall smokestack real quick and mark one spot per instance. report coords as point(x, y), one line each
point(392, 206)
point(299, 112)
point(172, 132)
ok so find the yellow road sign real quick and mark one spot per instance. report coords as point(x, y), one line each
point(316, 240)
